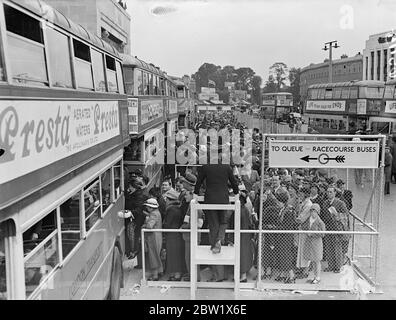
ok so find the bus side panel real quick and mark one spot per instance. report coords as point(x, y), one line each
point(87, 274)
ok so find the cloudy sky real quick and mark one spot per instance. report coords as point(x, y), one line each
point(180, 35)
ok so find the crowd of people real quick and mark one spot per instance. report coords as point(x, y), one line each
point(292, 199)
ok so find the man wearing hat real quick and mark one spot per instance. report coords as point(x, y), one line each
point(185, 198)
point(216, 177)
point(135, 197)
point(346, 196)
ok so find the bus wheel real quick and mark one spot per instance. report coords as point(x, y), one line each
point(116, 276)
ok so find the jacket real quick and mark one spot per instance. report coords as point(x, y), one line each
point(217, 177)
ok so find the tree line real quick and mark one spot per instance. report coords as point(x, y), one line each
point(280, 78)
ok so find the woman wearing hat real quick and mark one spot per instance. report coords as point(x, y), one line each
point(153, 240)
point(174, 243)
point(313, 245)
point(303, 216)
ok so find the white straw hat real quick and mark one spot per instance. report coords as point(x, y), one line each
point(152, 203)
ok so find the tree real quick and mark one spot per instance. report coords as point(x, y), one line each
point(279, 72)
point(205, 73)
point(270, 85)
point(294, 78)
point(256, 89)
point(244, 78)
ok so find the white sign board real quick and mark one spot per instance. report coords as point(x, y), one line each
point(133, 115)
point(322, 105)
point(361, 107)
point(35, 134)
point(390, 107)
point(323, 154)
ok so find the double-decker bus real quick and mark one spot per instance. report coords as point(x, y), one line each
point(386, 123)
point(63, 117)
point(277, 106)
point(152, 104)
point(343, 107)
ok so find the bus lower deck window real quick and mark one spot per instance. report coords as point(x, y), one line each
point(70, 223)
point(40, 244)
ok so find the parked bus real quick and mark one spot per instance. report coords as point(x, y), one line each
point(343, 107)
point(277, 106)
point(63, 116)
point(152, 100)
point(387, 122)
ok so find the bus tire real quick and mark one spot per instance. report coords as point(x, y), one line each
point(116, 275)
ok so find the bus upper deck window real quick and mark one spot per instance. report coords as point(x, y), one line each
point(59, 55)
point(337, 93)
point(139, 80)
point(328, 93)
point(83, 65)
point(25, 48)
point(111, 74)
point(129, 79)
point(345, 93)
point(120, 80)
point(389, 89)
point(353, 93)
point(98, 68)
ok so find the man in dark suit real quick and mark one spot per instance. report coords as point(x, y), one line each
point(217, 177)
point(135, 197)
point(334, 215)
point(346, 196)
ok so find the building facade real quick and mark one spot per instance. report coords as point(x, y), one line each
point(107, 19)
point(344, 70)
point(378, 57)
point(208, 94)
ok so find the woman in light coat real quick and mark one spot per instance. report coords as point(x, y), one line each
point(313, 245)
point(153, 240)
point(303, 216)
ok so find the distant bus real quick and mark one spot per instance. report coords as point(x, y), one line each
point(387, 122)
point(343, 107)
point(63, 116)
point(277, 106)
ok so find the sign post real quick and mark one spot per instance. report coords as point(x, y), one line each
point(323, 154)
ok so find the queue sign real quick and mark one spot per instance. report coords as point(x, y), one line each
point(323, 154)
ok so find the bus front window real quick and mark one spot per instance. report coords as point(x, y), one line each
point(3, 279)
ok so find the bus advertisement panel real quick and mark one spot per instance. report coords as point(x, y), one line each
point(37, 133)
point(331, 106)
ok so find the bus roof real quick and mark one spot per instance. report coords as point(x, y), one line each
point(52, 15)
point(128, 60)
point(355, 83)
point(278, 94)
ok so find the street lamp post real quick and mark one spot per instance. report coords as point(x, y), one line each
point(329, 46)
